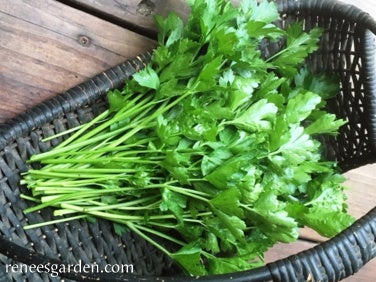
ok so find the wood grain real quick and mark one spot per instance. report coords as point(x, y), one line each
point(137, 13)
point(47, 47)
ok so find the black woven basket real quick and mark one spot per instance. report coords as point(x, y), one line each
point(347, 48)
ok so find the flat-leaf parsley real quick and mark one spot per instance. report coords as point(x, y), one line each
point(212, 146)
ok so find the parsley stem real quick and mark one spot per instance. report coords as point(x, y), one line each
point(61, 220)
point(189, 192)
point(88, 138)
point(122, 148)
point(136, 229)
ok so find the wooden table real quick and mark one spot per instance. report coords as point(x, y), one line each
point(49, 46)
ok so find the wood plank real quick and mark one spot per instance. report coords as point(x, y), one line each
point(362, 190)
point(47, 47)
point(137, 13)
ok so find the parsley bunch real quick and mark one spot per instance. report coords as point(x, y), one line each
point(212, 146)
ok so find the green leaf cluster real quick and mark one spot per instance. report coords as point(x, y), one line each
point(211, 146)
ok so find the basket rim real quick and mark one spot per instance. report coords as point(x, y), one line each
point(351, 240)
point(330, 7)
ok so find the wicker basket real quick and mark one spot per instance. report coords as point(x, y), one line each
point(347, 48)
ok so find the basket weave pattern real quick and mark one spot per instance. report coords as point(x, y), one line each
point(347, 48)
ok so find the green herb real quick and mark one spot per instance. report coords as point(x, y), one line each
point(211, 147)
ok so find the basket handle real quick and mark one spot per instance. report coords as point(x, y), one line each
point(332, 7)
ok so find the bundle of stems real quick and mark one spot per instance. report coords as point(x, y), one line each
point(211, 146)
